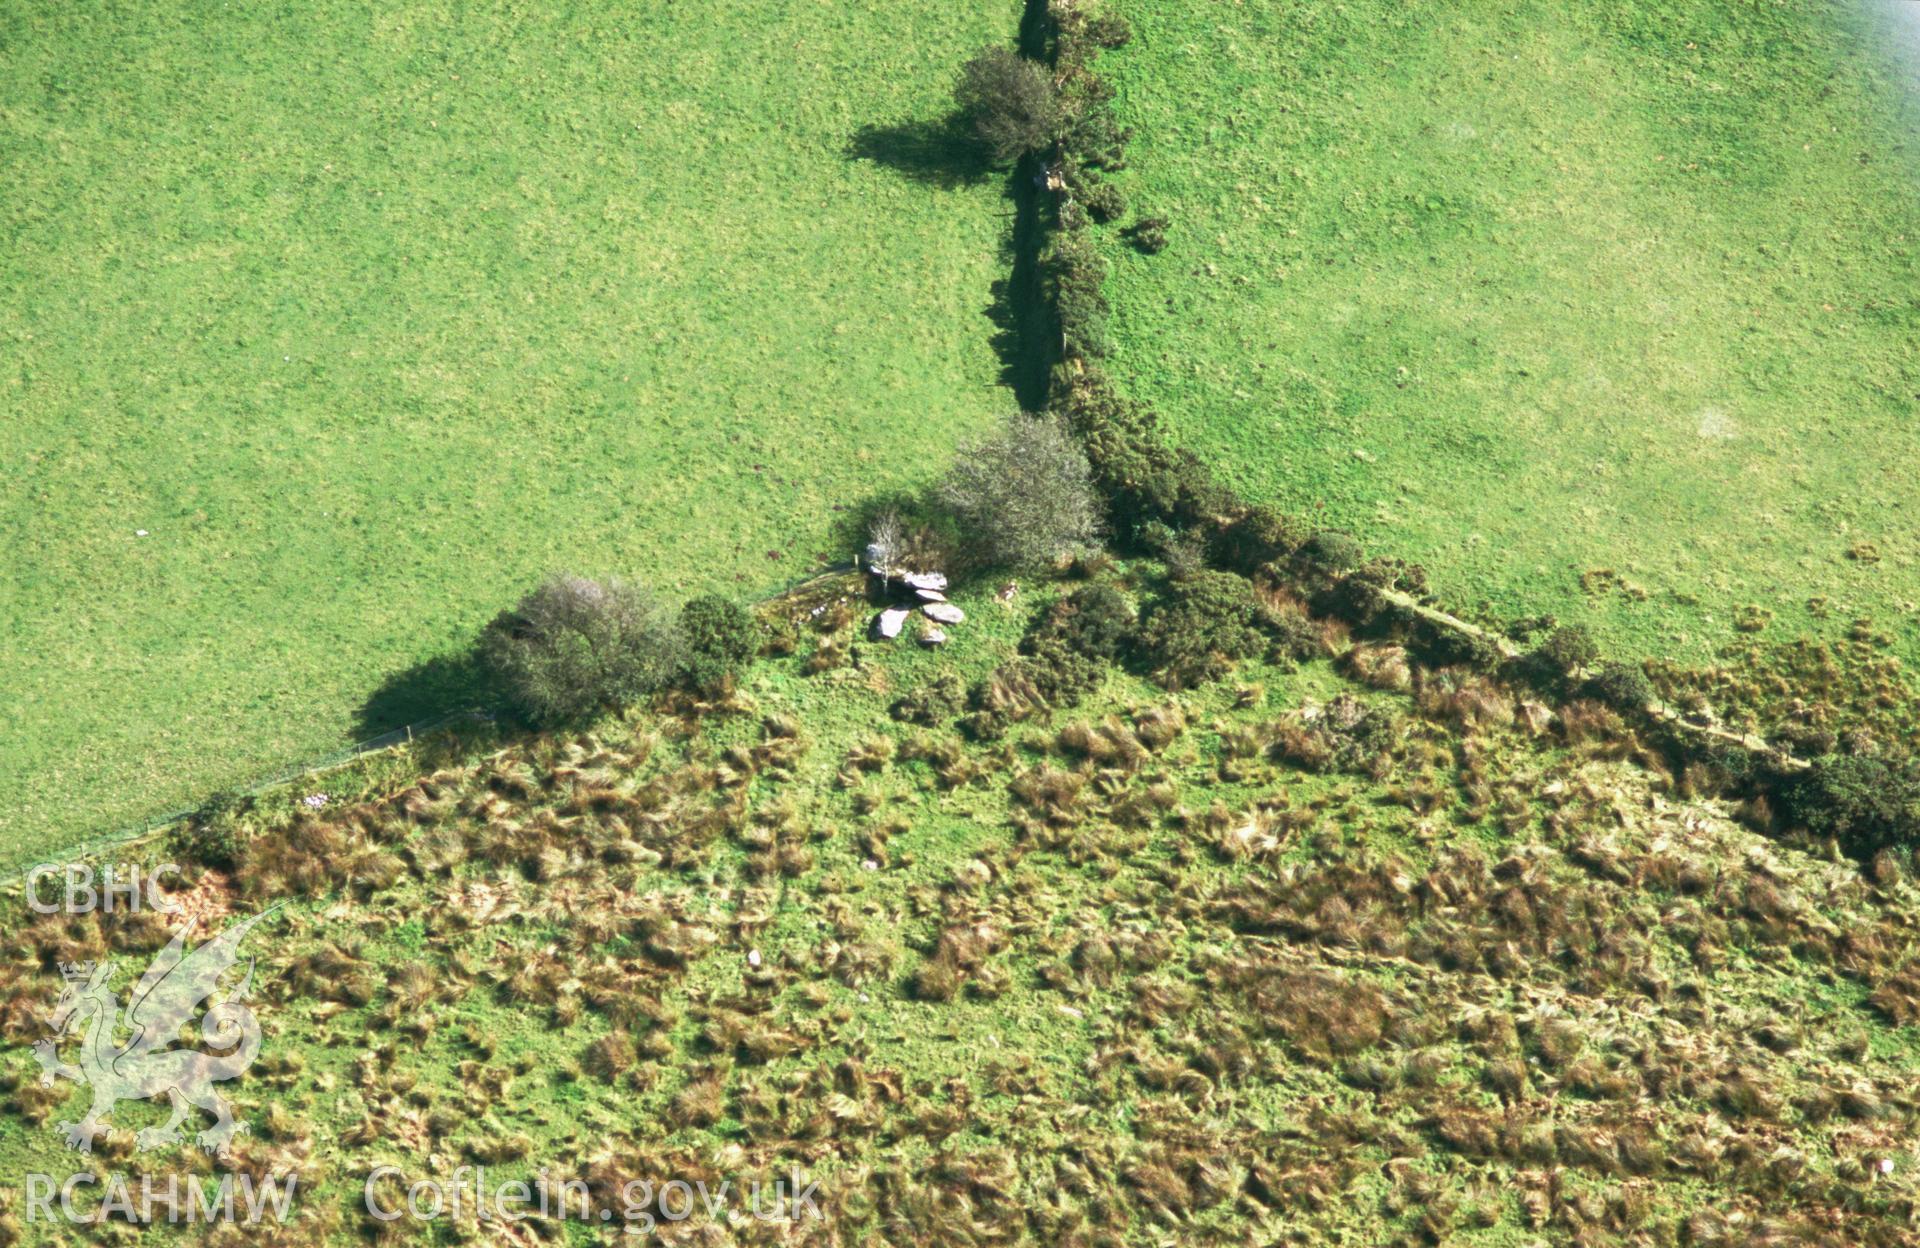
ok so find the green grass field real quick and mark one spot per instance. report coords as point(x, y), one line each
point(370, 316)
point(1524, 291)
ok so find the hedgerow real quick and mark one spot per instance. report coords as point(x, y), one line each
point(1148, 482)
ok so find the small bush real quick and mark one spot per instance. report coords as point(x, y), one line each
point(1091, 134)
point(1065, 655)
point(1551, 665)
point(1296, 638)
point(1255, 541)
point(1622, 686)
point(1109, 30)
point(1009, 101)
point(1075, 276)
point(576, 646)
point(1446, 647)
point(1330, 552)
point(1183, 551)
point(1148, 235)
point(1095, 622)
point(1864, 803)
point(721, 639)
point(1025, 495)
point(1201, 625)
point(1143, 479)
point(212, 836)
point(1568, 649)
point(1104, 202)
point(938, 699)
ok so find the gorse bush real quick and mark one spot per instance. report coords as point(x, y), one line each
point(1568, 649)
point(213, 835)
point(1096, 622)
point(938, 699)
point(1201, 625)
point(1009, 101)
point(1109, 30)
point(1104, 201)
point(1330, 552)
point(576, 646)
point(1148, 235)
point(1552, 664)
point(1864, 802)
point(1066, 653)
point(1074, 275)
point(1622, 686)
point(1255, 542)
point(1025, 495)
point(721, 638)
point(1142, 478)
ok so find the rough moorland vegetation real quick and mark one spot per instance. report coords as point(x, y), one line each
point(1340, 945)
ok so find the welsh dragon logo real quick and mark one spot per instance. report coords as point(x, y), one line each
point(143, 1066)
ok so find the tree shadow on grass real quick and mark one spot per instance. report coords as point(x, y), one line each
point(941, 153)
point(425, 692)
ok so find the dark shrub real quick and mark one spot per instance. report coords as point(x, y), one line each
point(1566, 650)
point(1447, 647)
point(1104, 201)
point(1095, 622)
point(1024, 497)
point(212, 836)
point(1143, 479)
point(1201, 625)
point(1863, 802)
point(721, 638)
point(1148, 235)
point(1009, 101)
point(1521, 628)
point(938, 699)
point(1330, 552)
point(1296, 638)
point(1074, 275)
point(1091, 134)
point(1109, 30)
point(575, 646)
point(1622, 686)
point(1569, 648)
point(1066, 654)
point(1260, 537)
point(1183, 551)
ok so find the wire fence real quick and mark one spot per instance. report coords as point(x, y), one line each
point(403, 735)
point(406, 734)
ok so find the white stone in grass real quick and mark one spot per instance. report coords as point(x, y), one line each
point(753, 957)
point(944, 612)
point(139, 532)
point(889, 622)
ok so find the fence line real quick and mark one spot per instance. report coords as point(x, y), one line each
point(403, 735)
point(133, 832)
